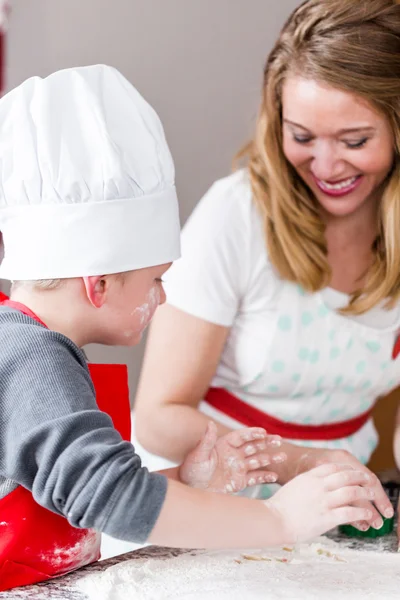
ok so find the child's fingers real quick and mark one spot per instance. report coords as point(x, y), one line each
point(361, 525)
point(349, 495)
point(381, 501)
point(324, 469)
point(346, 478)
point(260, 477)
point(349, 514)
point(375, 521)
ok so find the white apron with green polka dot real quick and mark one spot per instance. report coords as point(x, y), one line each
point(320, 368)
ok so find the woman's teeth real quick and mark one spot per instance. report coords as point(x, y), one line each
point(338, 186)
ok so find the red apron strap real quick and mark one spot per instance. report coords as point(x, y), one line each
point(22, 308)
point(112, 394)
point(250, 416)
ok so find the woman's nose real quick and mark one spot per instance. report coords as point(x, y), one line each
point(326, 164)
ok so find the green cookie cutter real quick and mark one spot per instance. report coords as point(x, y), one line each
point(387, 527)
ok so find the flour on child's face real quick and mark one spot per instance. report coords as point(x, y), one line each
point(135, 300)
point(143, 314)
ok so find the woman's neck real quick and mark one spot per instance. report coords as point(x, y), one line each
point(350, 242)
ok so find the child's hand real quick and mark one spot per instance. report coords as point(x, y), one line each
point(313, 457)
point(232, 462)
point(315, 502)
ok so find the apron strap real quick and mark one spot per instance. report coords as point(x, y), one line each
point(250, 416)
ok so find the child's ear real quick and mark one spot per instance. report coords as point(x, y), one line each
point(96, 290)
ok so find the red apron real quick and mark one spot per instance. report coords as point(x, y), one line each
point(35, 543)
point(250, 416)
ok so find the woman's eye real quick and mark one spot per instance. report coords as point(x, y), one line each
point(356, 144)
point(302, 140)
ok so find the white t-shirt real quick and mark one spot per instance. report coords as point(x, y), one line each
point(288, 353)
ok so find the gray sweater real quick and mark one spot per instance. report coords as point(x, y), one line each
point(57, 444)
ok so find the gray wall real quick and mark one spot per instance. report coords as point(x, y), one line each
point(198, 62)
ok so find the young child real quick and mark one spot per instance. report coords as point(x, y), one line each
point(89, 219)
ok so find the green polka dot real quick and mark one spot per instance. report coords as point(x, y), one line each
point(334, 353)
point(392, 383)
point(332, 334)
point(339, 380)
point(319, 392)
point(350, 343)
point(296, 377)
point(335, 444)
point(366, 385)
point(307, 318)
point(363, 459)
point(361, 366)
point(327, 400)
point(304, 353)
point(371, 444)
point(265, 492)
point(349, 389)
point(278, 366)
point(385, 365)
point(319, 381)
point(314, 357)
point(296, 396)
point(273, 389)
point(301, 291)
point(307, 420)
point(285, 323)
point(334, 414)
point(323, 311)
point(365, 405)
point(373, 346)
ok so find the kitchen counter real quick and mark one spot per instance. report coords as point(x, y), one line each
point(64, 588)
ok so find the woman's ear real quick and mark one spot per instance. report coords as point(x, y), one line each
point(96, 290)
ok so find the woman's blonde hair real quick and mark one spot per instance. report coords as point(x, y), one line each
point(353, 45)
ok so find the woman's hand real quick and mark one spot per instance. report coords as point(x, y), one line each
point(232, 462)
point(313, 457)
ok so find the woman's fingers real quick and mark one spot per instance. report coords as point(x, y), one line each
point(260, 477)
point(261, 460)
point(253, 436)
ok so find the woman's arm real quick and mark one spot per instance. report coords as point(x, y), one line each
point(182, 355)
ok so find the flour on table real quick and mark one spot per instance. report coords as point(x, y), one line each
point(322, 570)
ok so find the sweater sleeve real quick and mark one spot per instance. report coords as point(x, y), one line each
point(55, 442)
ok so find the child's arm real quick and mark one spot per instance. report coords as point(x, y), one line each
point(306, 507)
point(56, 443)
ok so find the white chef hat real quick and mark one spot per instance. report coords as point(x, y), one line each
point(86, 178)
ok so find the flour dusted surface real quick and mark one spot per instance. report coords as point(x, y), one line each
point(319, 571)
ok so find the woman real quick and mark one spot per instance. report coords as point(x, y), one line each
point(285, 307)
